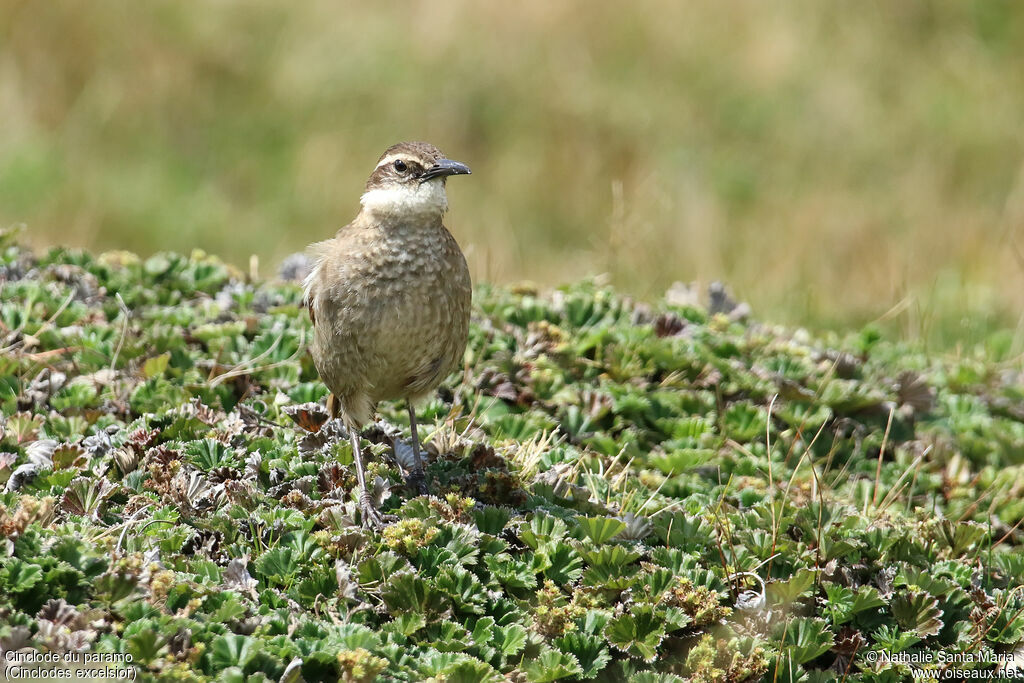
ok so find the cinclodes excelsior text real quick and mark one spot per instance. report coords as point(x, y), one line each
point(389, 298)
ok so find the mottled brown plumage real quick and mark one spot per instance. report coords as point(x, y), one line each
point(389, 296)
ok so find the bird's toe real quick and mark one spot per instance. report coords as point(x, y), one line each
point(417, 481)
point(371, 517)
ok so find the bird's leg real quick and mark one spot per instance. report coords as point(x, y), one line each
point(371, 517)
point(417, 478)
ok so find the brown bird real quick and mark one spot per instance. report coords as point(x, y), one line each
point(389, 298)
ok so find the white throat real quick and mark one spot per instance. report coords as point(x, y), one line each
point(410, 199)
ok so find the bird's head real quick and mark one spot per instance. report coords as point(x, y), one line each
point(409, 180)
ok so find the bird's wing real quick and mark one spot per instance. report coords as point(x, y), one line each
point(312, 285)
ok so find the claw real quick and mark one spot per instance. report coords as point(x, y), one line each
point(416, 479)
point(418, 482)
point(371, 516)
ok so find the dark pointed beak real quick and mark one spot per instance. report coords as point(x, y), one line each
point(444, 167)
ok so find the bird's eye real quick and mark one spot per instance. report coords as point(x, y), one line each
point(400, 166)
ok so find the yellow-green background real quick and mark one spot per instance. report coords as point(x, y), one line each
point(834, 162)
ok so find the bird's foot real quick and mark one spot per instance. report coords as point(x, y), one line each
point(371, 516)
point(417, 481)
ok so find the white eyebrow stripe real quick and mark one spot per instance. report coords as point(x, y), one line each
point(388, 159)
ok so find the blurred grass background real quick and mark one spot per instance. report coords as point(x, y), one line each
point(834, 163)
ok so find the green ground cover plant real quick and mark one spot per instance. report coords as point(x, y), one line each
point(619, 490)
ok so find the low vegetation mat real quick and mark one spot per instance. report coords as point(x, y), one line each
point(618, 491)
